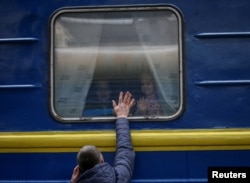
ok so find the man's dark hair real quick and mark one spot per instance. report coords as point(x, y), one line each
point(88, 157)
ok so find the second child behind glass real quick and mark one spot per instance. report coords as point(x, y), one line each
point(149, 103)
point(101, 106)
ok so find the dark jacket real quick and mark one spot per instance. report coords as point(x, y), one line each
point(123, 167)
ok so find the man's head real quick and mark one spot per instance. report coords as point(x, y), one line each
point(88, 157)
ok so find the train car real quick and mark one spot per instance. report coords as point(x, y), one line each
point(185, 62)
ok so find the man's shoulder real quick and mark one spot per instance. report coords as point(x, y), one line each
point(104, 168)
point(102, 172)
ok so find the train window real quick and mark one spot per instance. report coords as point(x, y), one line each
point(96, 53)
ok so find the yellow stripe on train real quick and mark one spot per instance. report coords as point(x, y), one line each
point(143, 140)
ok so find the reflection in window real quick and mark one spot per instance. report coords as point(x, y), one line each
point(98, 54)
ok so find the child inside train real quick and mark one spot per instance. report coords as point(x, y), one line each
point(148, 104)
point(102, 106)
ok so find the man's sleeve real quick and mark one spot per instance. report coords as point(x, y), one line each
point(125, 155)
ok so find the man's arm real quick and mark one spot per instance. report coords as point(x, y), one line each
point(124, 158)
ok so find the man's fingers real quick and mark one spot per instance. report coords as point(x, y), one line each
point(76, 170)
point(127, 97)
point(120, 97)
point(124, 99)
point(132, 103)
point(113, 103)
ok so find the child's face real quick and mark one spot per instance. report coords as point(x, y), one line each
point(103, 91)
point(147, 86)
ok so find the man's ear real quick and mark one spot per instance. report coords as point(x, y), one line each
point(101, 159)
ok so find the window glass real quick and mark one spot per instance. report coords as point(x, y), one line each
point(96, 54)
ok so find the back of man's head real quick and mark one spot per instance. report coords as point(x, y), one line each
point(88, 157)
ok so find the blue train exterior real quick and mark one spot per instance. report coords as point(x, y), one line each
point(212, 129)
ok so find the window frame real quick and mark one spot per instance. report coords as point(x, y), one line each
point(55, 15)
